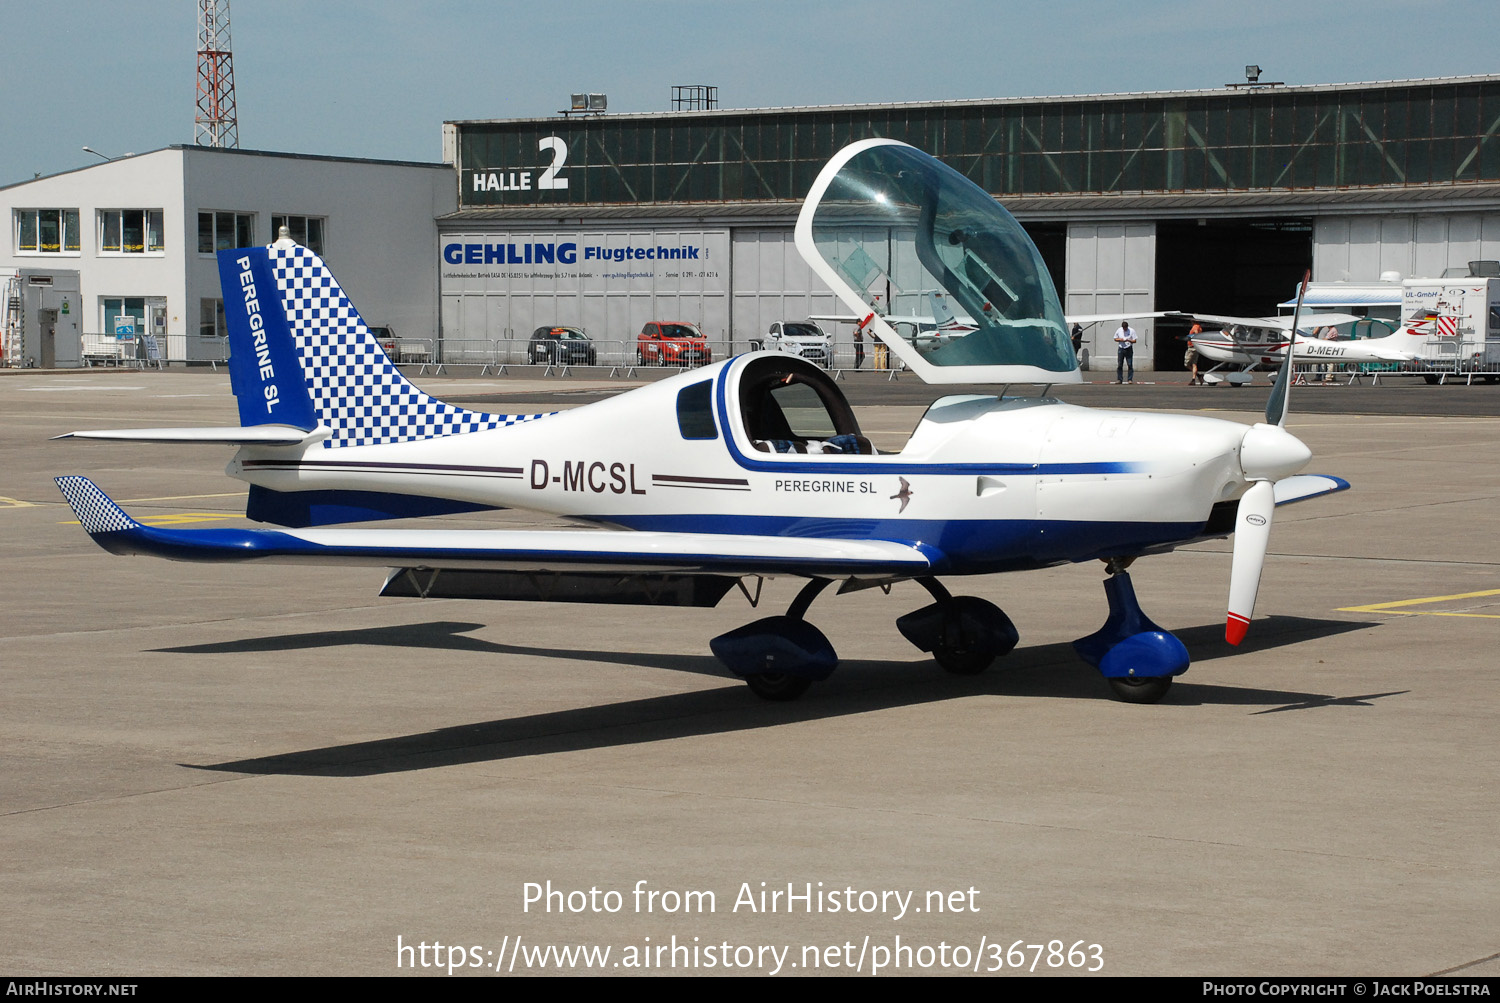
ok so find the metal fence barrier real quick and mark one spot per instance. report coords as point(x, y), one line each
point(1433, 371)
point(497, 356)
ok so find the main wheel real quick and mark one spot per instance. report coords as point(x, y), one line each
point(963, 661)
point(1431, 380)
point(1146, 690)
point(779, 686)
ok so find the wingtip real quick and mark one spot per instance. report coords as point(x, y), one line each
point(95, 510)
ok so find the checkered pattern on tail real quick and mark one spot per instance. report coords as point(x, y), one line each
point(355, 388)
point(93, 507)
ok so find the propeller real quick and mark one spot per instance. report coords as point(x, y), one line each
point(1267, 452)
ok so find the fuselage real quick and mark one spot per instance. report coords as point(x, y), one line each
point(1268, 350)
point(992, 484)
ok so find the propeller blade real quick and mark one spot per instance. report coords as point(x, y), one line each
point(1276, 405)
point(1252, 532)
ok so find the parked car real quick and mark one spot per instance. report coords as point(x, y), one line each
point(672, 343)
point(561, 346)
point(803, 337)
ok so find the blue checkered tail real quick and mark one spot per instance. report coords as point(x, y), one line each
point(300, 355)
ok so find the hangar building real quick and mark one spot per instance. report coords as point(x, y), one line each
point(97, 258)
point(1210, 200)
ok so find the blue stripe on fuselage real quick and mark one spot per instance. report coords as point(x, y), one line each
point(956, 546)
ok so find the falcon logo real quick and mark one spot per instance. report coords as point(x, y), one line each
point(904, 494)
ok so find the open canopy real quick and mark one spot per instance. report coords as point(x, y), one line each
point(911, 244)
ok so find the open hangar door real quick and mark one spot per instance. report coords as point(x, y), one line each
point(1051, 239)
point(1239, 267)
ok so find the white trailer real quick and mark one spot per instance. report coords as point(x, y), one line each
point(1460, 317)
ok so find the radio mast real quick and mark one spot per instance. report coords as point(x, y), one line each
point(216, 122)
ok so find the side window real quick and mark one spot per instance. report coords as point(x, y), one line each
point(695, 411)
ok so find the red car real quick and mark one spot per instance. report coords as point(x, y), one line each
point(672, 343)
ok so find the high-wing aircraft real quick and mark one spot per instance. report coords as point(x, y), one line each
point(1251, 342)
point(751, 467)
point(930, 331)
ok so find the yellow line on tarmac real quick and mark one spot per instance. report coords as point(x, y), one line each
point(173, 518)
point(1396, 607)
point(226, 494)
point(16, 503)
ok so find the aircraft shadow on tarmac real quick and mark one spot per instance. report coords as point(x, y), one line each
point(860, 686)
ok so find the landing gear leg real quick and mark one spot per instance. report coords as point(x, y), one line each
point(1137, 657)
point(964, 633)
point(779, 657)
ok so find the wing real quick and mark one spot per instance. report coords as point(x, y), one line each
point(1307, 322)
point(1085, 319)
point(588, 551)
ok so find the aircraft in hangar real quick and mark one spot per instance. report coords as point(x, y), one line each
point(715, 478)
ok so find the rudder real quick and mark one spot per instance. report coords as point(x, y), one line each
point(264, 371)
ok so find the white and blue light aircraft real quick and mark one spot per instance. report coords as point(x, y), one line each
point(748, 468)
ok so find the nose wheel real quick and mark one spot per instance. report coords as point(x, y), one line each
point(1140, 690)
point(1137, 657)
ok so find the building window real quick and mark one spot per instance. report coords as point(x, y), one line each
point(223, 231)
point(131, 231)
point(211, 323)
point(305, 230)
point(47, 231)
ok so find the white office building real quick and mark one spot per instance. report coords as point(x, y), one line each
point(117, 260)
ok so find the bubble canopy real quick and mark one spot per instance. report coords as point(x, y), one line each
point(935, 268)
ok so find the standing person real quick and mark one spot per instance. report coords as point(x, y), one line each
point(1329, 333)
point(1125, 357)
point(859, 346)
point(1191, 358)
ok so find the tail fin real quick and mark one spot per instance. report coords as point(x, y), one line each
point(301, 355)
point(941, 314)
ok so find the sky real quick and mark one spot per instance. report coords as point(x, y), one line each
point(378, 78)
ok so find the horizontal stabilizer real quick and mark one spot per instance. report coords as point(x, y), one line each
point(249, 435)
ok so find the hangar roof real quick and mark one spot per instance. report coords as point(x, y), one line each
point(1216, 92)
point(1213, 144)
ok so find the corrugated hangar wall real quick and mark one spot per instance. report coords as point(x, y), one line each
point(1360, 248)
